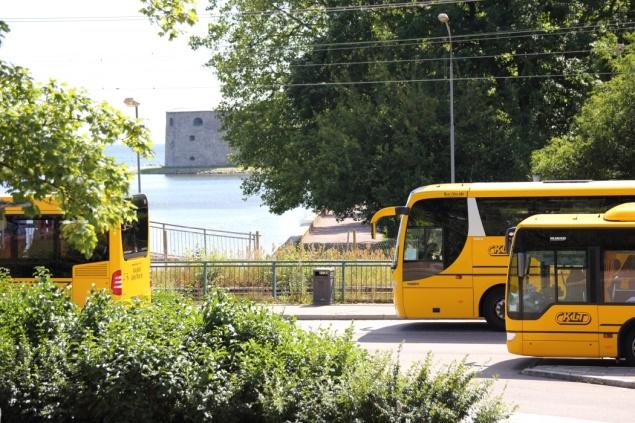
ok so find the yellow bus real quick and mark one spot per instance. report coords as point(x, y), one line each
point(119, 264)
point(571, 285)
point(450, 260)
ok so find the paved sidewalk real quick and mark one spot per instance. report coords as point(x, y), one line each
point(610, 374)
point(337, 311)
point(327, 230)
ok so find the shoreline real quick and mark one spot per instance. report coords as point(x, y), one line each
point(165, 170)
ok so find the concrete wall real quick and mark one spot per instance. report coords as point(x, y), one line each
point(194, 139)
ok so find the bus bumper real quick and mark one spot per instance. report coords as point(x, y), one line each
point(398, 300)
point(515, 343)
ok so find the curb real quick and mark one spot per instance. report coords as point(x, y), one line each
point(342, 316)
point(576, 377)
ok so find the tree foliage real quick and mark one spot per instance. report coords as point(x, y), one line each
point(168, 15)
point(305, 106)
point(52, 140)
point(225, 360)
point(601, 141)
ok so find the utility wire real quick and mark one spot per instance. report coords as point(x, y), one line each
point(354, 45)
point(395, 81)
point(333, 9)
point(456, 38)
point(147, 60)
point(358, 8)
point(444, 38)
point(470, 78)
point(438, 59)
point(474, 38)
point(102, 62)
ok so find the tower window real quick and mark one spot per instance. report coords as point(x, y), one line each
point(198, 121)
point(192, 137)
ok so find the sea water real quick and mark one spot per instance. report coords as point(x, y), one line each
point(210, 201)
point(217, 202)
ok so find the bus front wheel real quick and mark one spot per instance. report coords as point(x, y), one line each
point(628, 349)
point(494, 308)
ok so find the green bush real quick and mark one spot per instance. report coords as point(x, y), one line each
point(227, 360)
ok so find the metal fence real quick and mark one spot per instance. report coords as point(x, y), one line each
point(354, 281)
point(169, 242)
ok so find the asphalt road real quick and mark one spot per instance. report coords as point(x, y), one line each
point(538, 399)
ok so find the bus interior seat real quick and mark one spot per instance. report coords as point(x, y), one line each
point(623, 295)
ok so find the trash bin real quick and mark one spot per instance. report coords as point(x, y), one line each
point(323, 285)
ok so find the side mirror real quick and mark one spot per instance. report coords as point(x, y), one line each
point(509, 236)
point(386, 212)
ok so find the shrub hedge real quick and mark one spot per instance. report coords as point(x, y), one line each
point(227, 361)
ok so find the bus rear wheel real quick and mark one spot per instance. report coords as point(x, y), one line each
point(494, 308)
point(628, 347)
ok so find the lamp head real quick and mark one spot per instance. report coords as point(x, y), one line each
point(131, 102)
point(443, 18)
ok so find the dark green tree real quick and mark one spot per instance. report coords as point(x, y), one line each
point(52, 140)
point(332, 113)
point(601, 141)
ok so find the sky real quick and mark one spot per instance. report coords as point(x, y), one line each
point(116, 56)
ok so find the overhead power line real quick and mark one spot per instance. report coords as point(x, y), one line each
point(439, 59)
point(333, 9)
point(475, 37)
point(456, 38)
point(529, 31)
point(392, 81)
point(168, 60)
point(357, 8)
point(469, 78)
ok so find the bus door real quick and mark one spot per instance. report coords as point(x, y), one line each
point(617, 294)
point(560, 314)
point(437, 280)
point(135, 266)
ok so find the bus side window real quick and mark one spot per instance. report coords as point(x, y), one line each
point(554, 276)
point(36, 238)
point(27, 243)
point(619, 285)
point(572, 276)
point(498, 214)
point(70, 257)
point(7, 234)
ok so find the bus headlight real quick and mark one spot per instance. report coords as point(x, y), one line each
point(511, 336)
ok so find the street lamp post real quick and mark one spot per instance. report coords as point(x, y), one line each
point(445, 19)
point(133, 103)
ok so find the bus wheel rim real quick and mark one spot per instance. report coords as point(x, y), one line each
point(499, 309)
point(633, 348)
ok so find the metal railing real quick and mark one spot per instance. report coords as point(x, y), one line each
point(170, 242)
point(354, 281)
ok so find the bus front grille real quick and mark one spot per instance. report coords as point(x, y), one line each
point(92, 270)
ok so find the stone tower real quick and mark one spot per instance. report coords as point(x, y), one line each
point(194, 139)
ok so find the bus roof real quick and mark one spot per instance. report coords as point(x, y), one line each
point(7, 205)
point(619, 216)
point(524, 189)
